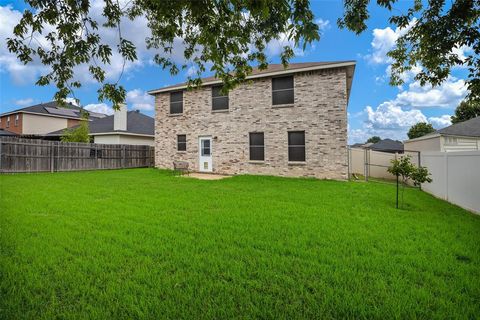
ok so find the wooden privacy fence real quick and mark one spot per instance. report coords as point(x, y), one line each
point(31, 155)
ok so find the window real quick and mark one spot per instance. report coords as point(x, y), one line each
point(182, 142)
point(282, 90)
point(16, 121)
point(257, 146)
point(8, 122)
point(205, 145)
point(296, 146)
point(176, 102)
point(219, 99)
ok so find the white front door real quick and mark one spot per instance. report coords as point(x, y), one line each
point(205, 154)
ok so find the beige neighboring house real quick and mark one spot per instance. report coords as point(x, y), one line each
point(123, 127)
point(286, 122)
point(463, 136)
point(43, 118)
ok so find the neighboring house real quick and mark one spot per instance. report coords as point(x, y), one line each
point(122, 127)
point(6, 133)
point(289, 122)
point(43, 118)
point(463, 136)
point(387, 145)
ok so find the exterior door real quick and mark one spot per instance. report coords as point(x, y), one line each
point(205, 154)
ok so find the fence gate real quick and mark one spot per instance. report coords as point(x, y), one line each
point(374, 164)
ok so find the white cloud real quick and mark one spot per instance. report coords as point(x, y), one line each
point(390, 116)
point(20, 73)
point(390, 120)
point(100, 108)
point(72, 101)
point(140, 100)
point(323, 25)
point(440, 122)
point(447, 95)
point(24, 102)
point(383, 41)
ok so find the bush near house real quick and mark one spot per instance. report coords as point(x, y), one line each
point(144, 244)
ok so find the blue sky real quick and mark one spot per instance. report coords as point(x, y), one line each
point(375, 108)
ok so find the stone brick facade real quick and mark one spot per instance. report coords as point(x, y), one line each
point(320, 109)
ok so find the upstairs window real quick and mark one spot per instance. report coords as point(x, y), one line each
point(8, 121)
point(219, 99)
point(257, 146)
point(282, 90)
point(296, 146)
point(182, 142)
point(176, 102)
point(16, 120)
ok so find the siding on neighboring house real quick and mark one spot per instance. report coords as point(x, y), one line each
point(124, 139)
point(72, 122)
point(456, 143)
point(38, 124)
point(432, 144)
point(319, 110)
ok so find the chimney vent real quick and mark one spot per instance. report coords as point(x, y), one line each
point(120, 118)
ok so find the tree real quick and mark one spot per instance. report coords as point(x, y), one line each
point(466, 110)
point(374, 139)
point(435, 35)
point(228, 36)
point(405, 169)
point(420, 129)
point(77, 134)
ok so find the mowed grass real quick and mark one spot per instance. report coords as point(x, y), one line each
point(144, 244)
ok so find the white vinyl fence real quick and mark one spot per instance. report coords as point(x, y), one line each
point(456, 177)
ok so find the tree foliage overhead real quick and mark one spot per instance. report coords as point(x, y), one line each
point(374, 139)
point(466, 110)
point(229, 35)
point(434, 29)
point(420, 129)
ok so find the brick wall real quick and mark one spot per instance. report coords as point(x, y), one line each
point(12, 128)
point(319, 110)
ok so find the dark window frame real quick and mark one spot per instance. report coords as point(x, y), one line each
point(292, 157)
point(277, 92)
point(176, 103)
point(252, 155)
point(181, 143)
point(217, 96)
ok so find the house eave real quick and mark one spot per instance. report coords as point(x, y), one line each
point(111, 133)
point(267, 74)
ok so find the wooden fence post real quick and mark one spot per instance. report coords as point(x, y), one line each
point(52, 148)
point(1, 156)
point(123, 157)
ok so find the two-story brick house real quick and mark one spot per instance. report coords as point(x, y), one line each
point(288, 122)
point(40, 119)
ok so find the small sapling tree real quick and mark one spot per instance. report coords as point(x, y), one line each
point(404, 168)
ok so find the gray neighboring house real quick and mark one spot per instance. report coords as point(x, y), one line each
point(123, 127)
point(40, 119)
point(387, 145)
point(287, 122)
point(463, 136)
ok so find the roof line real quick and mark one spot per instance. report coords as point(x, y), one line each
point(262, 75)
point(126, 133)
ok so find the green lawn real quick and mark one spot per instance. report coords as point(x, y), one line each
point(144, 244)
